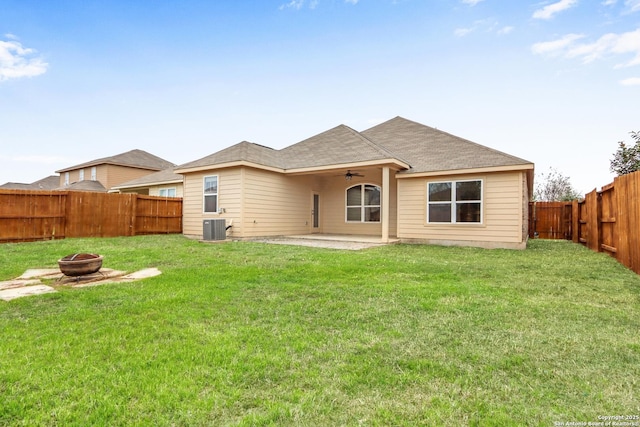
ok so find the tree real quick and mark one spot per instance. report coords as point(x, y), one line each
point(555, 187)
point(627, 158)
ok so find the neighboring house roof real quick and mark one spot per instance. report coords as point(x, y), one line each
point(134, 158)
point(167, 176)
point(49, 183)
point(418, 147)
point(84, 186)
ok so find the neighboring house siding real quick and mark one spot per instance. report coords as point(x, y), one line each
point(155, 190)
point(108, 175)
point(502, 212)
point(114, 175)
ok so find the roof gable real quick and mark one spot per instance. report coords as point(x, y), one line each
point(428, 149)
point(242, 151)
point(336, 146)
point(135, 158)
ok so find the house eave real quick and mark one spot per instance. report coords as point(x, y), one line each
point(226, 166)
point(522, 167)
point(146, 184)
point(395, 163)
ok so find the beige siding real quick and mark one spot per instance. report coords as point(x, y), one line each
point(229, 198)
point(502, 209)
point(275, 204)
point(108, 175)
point(112, 175)
point(333, 200)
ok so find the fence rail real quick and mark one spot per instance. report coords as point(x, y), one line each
point(27, 215)
point(605, 221)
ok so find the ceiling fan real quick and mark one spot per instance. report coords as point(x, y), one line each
point(350, 175)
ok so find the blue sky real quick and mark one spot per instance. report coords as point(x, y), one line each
point(555, 82)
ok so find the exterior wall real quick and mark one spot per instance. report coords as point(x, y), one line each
point(276, 204)
point(262, 203)
point(333, 202)
point(229, 198)
point(502, 213)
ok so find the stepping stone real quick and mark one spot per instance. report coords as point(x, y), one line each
point(9, 294)
point(16, 283)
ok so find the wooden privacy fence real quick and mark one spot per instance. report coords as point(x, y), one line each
point(605, 221)
point(27, 215)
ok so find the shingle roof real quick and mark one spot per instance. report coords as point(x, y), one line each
point(243, 151)
point(339, 145)
point(428, 149)
point(134, 158)
point(424, 148)
point(84, 186)
point(49, 183)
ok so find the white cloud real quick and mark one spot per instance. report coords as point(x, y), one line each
point(461, 32)
point(633, 81)
point(471, 2)
point(633, 5)
point(312, 4)
point(293, 4)
point(17, 61)
point(548, 11)
point(556, 46)
point(505, 30)
point(608, 45)
point(609, 2)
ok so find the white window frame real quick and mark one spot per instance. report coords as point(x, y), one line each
point(66, 178)
point(168, 191)
point(454, 203)
point(81, 175)
point(210, 194)
point(94, 173)
point(362, 206)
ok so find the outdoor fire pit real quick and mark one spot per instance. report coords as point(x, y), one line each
point(77, 265)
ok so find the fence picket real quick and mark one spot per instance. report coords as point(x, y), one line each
point(28, 215)
point(607, 220)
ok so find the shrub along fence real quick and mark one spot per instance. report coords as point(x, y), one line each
point(605, 221)
point(27, 215)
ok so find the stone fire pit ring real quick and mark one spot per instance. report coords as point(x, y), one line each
point(81, 264)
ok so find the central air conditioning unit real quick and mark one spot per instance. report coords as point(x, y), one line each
point(214, 229)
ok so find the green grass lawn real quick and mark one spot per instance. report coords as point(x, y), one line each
point(253, 334)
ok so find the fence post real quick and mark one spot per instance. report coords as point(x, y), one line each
point(575, 222)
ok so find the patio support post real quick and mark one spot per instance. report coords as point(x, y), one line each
point(385, 204)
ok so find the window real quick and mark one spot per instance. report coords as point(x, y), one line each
point(66, 178)
point(211, 194)
point(94, 173)
point(363, 203)
point(81, 175)
point(454, 202)
point(167, 192)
